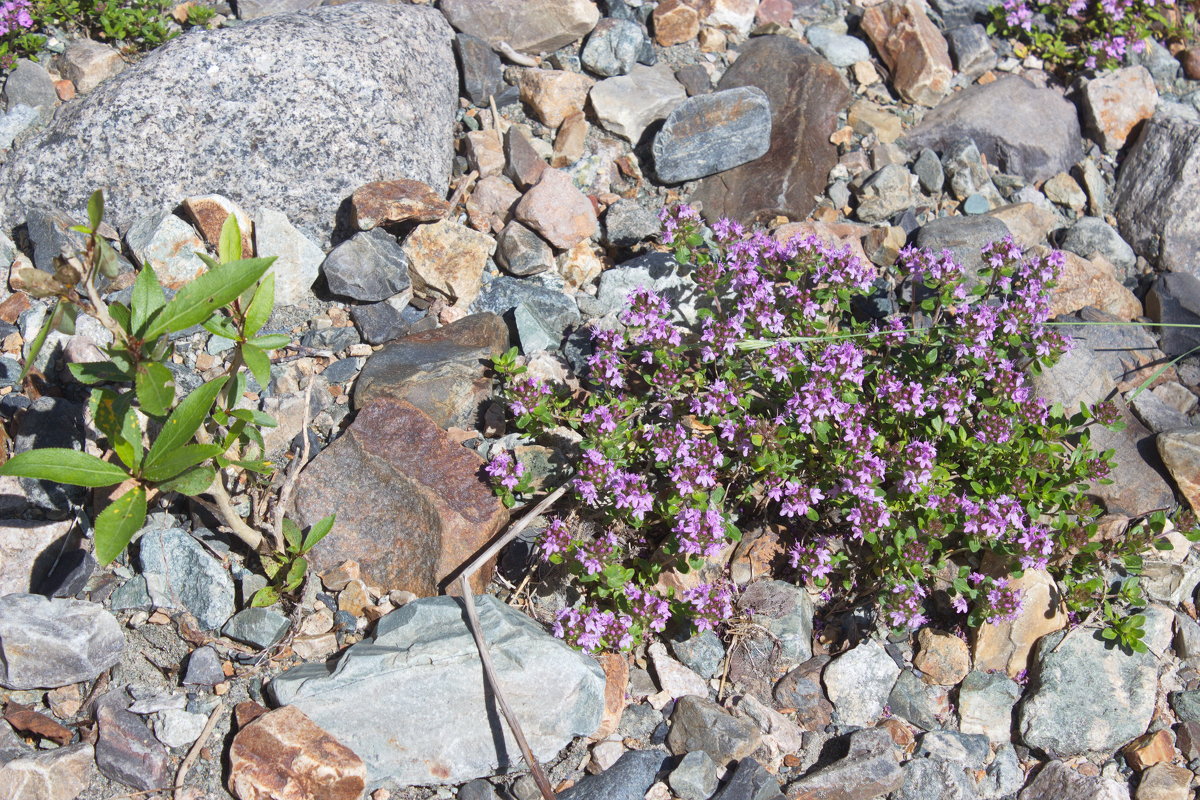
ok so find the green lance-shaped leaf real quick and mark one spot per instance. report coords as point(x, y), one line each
point(316, 533)
point(148, 297)
point(191, 482)
point(155, 385)
point(117, 524)
point(186, 457)
point(181, 426)
point(258, 363)
point(95, 208)
point(63, 465)
point(214, 289)
point(229, 246)
point(261, 306)
point(39, 341)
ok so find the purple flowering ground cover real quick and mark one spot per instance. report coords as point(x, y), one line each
point(901, 456)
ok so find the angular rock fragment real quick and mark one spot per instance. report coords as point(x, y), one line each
point(45, 643)
point(711, 133)
point(401, 200)
point(530, 26)
point(283, 755)
point(913, 48)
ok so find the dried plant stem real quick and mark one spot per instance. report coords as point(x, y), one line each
point(293, 472)
point(464, 582)
point(194, 753)
point(539, 777)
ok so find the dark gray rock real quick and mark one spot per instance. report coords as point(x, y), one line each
point(613, 47)
point(1163, 66)
point(1157, 198)
point(750, 781)
point(638, 721)
point(1024, 130)
point(695, 777)
point(1093, 235)
point(966, 171)
point(51, 236)
point(700, 724)
point(956, 13)
point(51, 422)
point(46, 643)
point(126, 750)
point(522, 252)
point(204, 668)
point(529, 26)
point(627, 223)
point(885, 194)
point(628, 779)
point(257, 627)
point(442, 371)
point(695, 79)
point(1156, 414)
point(333, 339)
point(1186, 705)
point(786, 611)
point(806, 94)
point(1086, 696)
point(480, 68)
point(423, 665)
point(702, 653)
point(868, 770)
point(370, 266)
point(131, 594)
point(971, 50)
point(935, 779)
point(28, 84)
point(181, 574)
point(10, 746)
point(298, 109)
point(381, 322)
point(477, 790)
point(1175, 298)
point(928, 169)
point(711, 133)
point(554, 310)
point(912, 700)
point(341, 370)
point(963, 236)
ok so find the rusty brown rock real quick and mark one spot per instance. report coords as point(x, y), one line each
point(913, 48)
point(1115, 103)
point(283, 755)
point(1165, 782)
point(443, 371)
point(447, 259)
point(1150, 749)
point(806, 93)
point(1190, 59)
point(558, 211)
point(208, 213)
point(616, 681)
point(943, 657)
point(1094, 283)
point(412, 505)
point(553, 94)
point(402, 200)
point(676, 22)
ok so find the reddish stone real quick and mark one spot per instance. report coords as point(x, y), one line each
point(283, 755)
point(616, 681)
point(1115, 103)
point(570, 140)
point(491, 204)
point(246, 712)
point(913, 48)
point(522, 162)
point(807, 93)
point(1190, 59)
point(65, 90)
point(557, 210)
point(778, 11)
point(208, 214)
point(403, 200)
point(412, 506)
point(554, 94)
point(1153, 748)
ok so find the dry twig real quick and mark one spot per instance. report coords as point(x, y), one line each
point(194, 753)
point(464, 582)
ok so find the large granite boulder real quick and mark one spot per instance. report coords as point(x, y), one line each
point(292, 111)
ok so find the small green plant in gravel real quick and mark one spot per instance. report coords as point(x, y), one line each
point(159, 443)
point(899, 455)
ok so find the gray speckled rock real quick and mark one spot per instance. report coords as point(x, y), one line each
point(293, 111)
point(858, 683)
point(45, 644)
point(710, 133)
point(1025, 130)
point(1093, 235)
point(628, 779)
point(181, 574)
point(257, 627)
point(1087, 697)
point(423, 667)
point(371, 266)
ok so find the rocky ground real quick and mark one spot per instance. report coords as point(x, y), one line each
point(556, 129)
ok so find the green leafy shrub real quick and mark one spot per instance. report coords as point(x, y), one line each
point(160, 443)
point(898, 455)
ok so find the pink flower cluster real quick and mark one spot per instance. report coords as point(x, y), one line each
point(15, 16)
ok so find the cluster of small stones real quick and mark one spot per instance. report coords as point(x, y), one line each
point(871, 126)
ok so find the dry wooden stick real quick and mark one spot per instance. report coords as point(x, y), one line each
point(194, 753)
point(464, 582)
